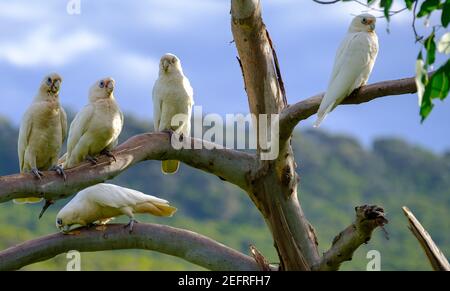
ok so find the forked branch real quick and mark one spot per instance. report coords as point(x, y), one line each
point(368, 218)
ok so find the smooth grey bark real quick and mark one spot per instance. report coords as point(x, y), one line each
point(192, 247)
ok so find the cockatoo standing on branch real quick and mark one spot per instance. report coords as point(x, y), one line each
point(95, 129)
point(102, 202)
point(172, 96)
point(42, 132)
point(353, 63)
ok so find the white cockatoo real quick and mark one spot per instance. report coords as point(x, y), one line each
point(102, 202)
point(172, 96)
point(96, 128)
point(353, 63)
point(42, 132)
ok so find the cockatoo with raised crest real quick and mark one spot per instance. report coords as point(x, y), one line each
point(172, 95)
point(42, 132)
point(96, 128)
point(102, 202)
point(353, 63)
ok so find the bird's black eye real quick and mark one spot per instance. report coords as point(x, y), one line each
point(364, 20)
point(49, 81)
point(59, 221)
point(102, 84)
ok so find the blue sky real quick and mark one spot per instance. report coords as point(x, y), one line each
point(125, 39)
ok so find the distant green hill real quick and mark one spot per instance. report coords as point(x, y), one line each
point(336, 172)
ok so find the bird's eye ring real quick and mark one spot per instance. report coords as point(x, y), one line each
point(364, 20)
point(102, 84)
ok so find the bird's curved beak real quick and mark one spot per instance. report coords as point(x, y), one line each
point(371, 24)
point(64, 229)
point(56, 85)
point(109, 85)
point(165, 65)
point(68, 228)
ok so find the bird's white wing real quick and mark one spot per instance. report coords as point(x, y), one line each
point(348, 72)
point(190, 93)
point(115, 142)
point(338, 59)
point(157, 104)
point(79, 126)
point(117, 197)
point(63, 117)
point(350, 68)
point(24, 135)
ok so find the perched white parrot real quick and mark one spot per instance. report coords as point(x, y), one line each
point(95, 129)
point(42, 132)
point(172, 95)
point(353, 63)
point(102, 202)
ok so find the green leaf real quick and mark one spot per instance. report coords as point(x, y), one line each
point(439, 84)
point(445, 18)
point(387, 4)
point(409, 3)
point(444, 44)
point(427, 7)
point(437, 87)
point(426, 108)
point(430, 46)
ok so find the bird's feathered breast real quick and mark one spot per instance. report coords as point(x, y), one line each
point(175, 87)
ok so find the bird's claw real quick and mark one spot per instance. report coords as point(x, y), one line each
point(38, 174)
point(58, 169)
point(109, 154)
point(169, 132)
point(92, 160)
point(131, 224)
point(47, 204)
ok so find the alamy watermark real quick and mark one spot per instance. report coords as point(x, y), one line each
point(374, 258)
point(73, 7)
point(237, 131)
point(74, 263)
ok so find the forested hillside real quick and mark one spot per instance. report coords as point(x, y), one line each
point(336, 172)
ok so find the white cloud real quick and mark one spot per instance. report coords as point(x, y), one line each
point(176, 14)
point(44, 47)
point(23, 11)
point(138, 68)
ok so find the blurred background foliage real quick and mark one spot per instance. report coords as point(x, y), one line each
point(337, 173)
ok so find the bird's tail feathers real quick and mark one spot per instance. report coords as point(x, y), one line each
point(322, 115)
point(170, 167)
point(157, 208)
point(31, 200)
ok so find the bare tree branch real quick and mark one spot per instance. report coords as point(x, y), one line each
point(368, 218)
point(232, 166)
point(192, 247)
point(302, 110)
point(436, 257)
point(260, 259)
